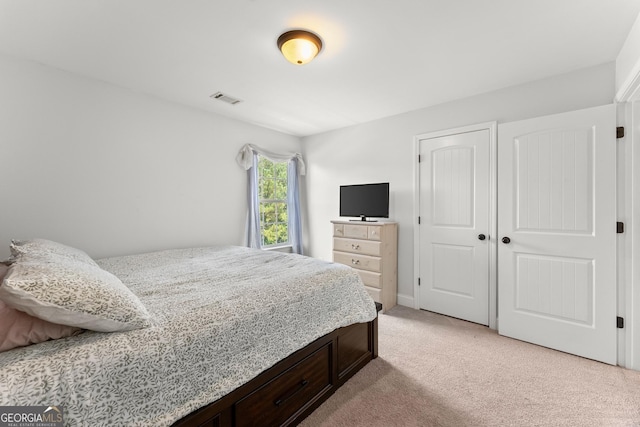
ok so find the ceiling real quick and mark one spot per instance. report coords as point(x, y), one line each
point(380, 57)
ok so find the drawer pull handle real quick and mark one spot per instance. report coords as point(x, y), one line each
point(355, 261)
point(356, 247)
point(288, 395)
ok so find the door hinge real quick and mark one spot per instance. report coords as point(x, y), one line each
point(620, 132)
point(419, 158)
point(418, 220)
point(418, 281)
point(619, 227)
point(620, 322)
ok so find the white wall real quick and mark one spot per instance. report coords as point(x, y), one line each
point(628, 63)
point(115, 172)
point(383, 150)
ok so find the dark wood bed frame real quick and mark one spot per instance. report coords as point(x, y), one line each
point(290, 390)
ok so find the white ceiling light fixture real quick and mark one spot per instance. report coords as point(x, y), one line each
point(299, 46)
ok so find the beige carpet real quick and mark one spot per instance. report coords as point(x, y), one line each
point(437, 371)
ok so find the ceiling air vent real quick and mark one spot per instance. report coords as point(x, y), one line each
point(225, 98)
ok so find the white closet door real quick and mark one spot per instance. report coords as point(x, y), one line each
point(557, 231)
point(454, 231)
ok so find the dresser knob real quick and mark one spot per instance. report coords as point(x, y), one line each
point(355, 261)
point(356, 247)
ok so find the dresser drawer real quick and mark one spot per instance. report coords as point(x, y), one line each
point(286, 394)
point(370, 278)
point(356, 246)
point(356, 231)
point(374, 293)
point(374, 233)
point(338, 230)
point(362, 262)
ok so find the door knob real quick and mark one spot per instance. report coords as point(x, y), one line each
point(481, 237)
point(506, 240)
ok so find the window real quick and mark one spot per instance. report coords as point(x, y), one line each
point(272, 197)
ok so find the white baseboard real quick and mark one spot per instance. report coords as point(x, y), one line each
point(406, 301)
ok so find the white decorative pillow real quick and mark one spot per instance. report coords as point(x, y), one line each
point(71, 292)
point(43, 249)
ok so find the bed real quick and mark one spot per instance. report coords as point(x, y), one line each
point(233, 336)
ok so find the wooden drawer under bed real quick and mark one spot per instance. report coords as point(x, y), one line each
point(286, 393)
point(283, 396)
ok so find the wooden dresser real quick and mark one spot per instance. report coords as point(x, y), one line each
point(372, 249)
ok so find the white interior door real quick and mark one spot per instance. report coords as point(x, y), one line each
point(557, 219)
point(454, 232)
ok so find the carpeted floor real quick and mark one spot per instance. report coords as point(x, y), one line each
point(433, 370)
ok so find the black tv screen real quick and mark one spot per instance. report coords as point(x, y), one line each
point(365, 200)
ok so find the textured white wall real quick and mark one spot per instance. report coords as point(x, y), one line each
point(628, 60)
point(113, 171)
point(383, 150)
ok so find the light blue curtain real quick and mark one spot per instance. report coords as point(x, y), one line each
point(293, 200)
point(252, 231)
point(248, 159)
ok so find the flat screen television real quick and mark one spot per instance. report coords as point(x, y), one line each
point(365, 201)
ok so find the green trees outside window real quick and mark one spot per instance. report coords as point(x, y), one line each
point(272, 193)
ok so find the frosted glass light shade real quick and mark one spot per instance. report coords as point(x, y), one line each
point(299, 47)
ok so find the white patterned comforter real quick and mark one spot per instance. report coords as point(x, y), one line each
point(220, 317)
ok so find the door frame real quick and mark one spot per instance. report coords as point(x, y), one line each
point(493, 205)
point(628, 115)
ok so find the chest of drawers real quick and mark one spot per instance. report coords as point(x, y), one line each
point(372, 249)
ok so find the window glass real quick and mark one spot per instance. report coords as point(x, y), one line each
point(272, 188)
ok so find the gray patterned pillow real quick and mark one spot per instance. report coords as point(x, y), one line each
point(70, 292)
point(43, 249)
